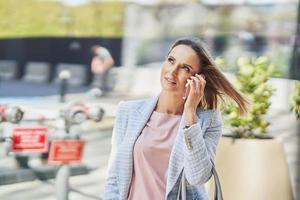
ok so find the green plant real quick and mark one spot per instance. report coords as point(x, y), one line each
point(295, 100)
point(252, 81)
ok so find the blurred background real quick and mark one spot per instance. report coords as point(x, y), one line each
point(39, 39)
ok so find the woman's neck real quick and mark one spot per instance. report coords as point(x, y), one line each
point(170, 102)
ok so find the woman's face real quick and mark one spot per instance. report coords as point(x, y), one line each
point(181, 63)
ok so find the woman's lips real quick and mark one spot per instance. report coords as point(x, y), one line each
point(172, 81)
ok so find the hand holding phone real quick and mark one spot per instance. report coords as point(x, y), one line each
point(194, 90)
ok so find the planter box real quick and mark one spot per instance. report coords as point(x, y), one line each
point(252, 169)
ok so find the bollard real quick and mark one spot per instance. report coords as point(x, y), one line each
point(62, 90)
point(64, 76)
point(73, 115)
point(62, 182)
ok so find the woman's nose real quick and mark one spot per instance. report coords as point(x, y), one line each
point(174, 69)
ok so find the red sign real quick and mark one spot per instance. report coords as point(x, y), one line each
point(66, 151)
point(30, 139)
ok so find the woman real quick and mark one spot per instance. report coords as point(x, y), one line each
point(157, 141)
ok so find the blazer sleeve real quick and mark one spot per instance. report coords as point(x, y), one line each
point(200, 149)
point(111, 191)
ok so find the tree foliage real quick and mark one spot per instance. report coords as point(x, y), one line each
point(32, 18)
point(295, 100)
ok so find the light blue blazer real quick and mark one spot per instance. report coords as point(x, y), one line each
point(193, 149)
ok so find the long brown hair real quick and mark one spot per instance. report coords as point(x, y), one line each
point(217, 86)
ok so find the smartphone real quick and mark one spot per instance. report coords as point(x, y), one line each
point(186, 92)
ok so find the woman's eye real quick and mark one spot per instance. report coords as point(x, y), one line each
point(170, 60)
point(186, 68)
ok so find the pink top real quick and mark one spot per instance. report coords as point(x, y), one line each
point(151, 157)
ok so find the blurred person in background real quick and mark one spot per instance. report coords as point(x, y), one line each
point(101, 63)
point(158, 142)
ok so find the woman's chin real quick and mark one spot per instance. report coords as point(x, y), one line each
point(170, 89)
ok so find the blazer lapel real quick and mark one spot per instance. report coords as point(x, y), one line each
point(136, 122)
